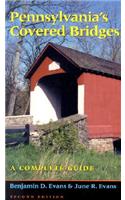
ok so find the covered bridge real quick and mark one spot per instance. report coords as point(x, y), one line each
point(64, 81)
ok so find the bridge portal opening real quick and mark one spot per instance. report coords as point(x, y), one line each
point(60, 91)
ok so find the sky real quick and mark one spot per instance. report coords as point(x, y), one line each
point(108, 6)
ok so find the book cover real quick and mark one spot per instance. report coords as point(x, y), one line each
point(63, 99)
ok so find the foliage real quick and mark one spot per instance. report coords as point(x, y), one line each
point(63, 139)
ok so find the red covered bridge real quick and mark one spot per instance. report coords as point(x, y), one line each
point(64, 82)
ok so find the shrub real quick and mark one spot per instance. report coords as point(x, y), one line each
point(63, 139)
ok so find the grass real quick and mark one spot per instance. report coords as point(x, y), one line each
point(106, 165)
point(14, 135)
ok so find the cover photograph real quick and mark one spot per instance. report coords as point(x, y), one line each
point(63, 101)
